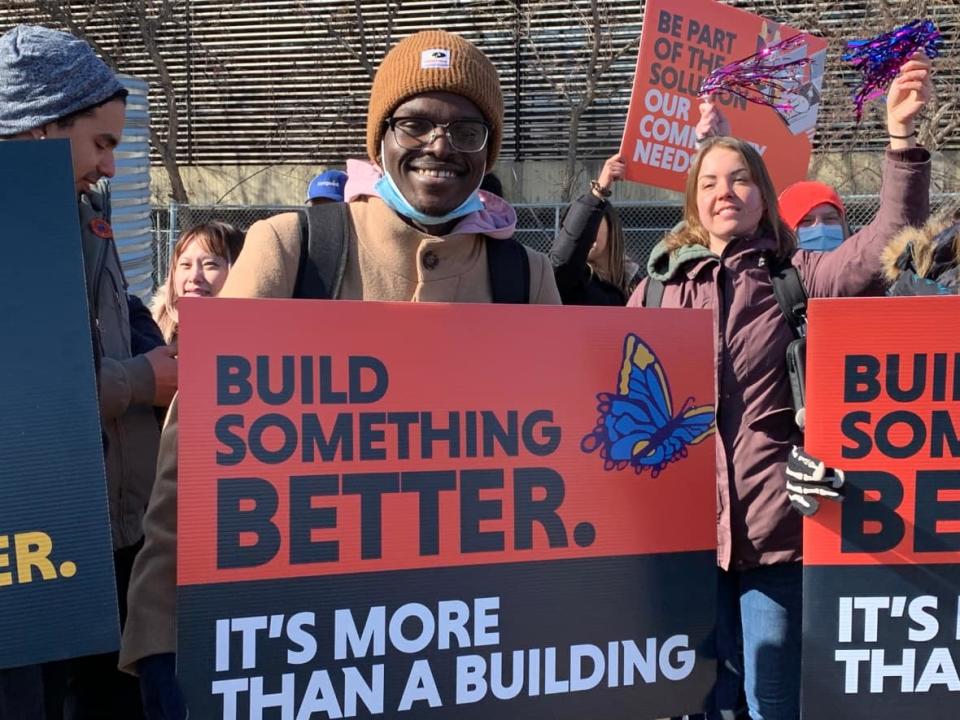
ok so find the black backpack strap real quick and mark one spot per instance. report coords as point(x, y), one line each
point(509, 267)
point(324, 243)
point(789, 291)
point(653, 293)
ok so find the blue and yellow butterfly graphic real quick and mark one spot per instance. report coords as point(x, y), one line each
point(637, 425)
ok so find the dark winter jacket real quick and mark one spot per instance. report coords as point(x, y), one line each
point(126, 381)
point(578, 284)
point(144, 333)
point(755, 426)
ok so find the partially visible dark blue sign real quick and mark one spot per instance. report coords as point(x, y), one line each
point(57, 590)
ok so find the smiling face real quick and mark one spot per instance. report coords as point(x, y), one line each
point(199, 272)
point(93, 138)
point(436, 178)
point(729, 202)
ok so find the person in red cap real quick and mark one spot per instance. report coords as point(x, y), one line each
point(815, 212)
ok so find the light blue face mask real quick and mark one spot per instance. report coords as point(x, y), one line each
point(391, 195)
point(821, 238)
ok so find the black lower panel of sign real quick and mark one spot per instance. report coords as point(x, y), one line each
point(881, 642)
point(640, 628)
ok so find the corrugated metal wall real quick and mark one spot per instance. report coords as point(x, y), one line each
point(286, 81)
point(130, 192)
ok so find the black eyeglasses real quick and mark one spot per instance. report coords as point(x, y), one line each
point(413, 133)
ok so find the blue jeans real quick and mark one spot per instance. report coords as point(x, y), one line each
point(759, 623)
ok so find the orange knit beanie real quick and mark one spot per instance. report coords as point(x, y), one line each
point(435, 61)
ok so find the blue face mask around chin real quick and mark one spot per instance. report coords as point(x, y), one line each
point(391, 195)
point(821, 238)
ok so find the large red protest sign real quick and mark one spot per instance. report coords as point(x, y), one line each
point(456, 510)
point(882, 569)
point(681, 44)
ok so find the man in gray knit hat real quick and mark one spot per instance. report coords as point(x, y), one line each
point(53, 85)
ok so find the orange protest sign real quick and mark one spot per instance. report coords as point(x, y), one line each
point(882, 568)
point(681, 45)
point(388, 504)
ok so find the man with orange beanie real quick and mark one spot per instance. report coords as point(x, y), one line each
point(417, 229)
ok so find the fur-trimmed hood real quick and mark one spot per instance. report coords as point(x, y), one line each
point(925, 260)
point(158, 300)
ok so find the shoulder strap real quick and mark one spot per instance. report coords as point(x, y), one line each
point(324, 240)
point(509, 267)
point(652, 293)
point(789, 291)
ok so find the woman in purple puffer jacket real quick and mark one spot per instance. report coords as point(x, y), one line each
point(720, 260)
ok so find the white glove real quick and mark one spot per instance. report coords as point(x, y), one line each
point(809, 479)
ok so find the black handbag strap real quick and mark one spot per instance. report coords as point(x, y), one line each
point(789, 291)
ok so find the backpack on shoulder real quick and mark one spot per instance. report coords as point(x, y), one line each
point(792, 299)
point(325, 242)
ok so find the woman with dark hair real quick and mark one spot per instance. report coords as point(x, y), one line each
point(201, 261)
point(589, 261)
point(721, 259)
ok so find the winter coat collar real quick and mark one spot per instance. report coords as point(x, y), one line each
point(665, 265)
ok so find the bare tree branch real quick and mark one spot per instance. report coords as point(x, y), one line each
point(138, 25)
point(575, 78)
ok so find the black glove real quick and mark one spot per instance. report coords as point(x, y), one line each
point(162, 699)
point(808, 479)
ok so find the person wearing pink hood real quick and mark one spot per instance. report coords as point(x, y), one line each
point(414, 227)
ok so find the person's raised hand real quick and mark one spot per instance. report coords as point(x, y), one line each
point(613, 171)
point(712, 120)
point(909, 93)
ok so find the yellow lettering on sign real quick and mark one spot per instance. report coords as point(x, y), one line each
point(33, 551)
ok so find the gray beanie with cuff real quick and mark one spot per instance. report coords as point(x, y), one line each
point(46, 75)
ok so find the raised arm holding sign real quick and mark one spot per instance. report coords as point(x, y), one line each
point(680, 47)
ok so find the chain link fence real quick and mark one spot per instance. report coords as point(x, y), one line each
point(644, 223)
